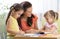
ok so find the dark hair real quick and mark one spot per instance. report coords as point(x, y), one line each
point(26, 5)
point(52, 13)
point(15, 7)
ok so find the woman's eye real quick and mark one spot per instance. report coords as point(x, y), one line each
point(46, 19)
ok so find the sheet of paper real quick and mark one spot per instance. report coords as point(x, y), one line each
point(32, 35)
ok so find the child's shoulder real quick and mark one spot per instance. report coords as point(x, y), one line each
point(46, 23)
point(55, 24)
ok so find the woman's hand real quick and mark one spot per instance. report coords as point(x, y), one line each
point(29, 31)
point(32, 31)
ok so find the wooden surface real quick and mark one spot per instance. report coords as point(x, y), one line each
point(48, 36)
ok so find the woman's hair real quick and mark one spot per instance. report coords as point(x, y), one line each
point(15, 7)
point(52, 13)
point(26, 5)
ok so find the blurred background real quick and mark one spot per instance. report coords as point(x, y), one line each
point(39, 8)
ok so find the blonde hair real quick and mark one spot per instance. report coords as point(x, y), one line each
point(51, 13)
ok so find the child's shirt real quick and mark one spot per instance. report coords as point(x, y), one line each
point(13, 25)
point(48, 27)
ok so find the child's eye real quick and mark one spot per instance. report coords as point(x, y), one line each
point(19, 14)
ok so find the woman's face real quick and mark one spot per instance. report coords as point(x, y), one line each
point(18, 13)
point(28, 12)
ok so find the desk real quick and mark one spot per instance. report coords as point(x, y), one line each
point(49, 36)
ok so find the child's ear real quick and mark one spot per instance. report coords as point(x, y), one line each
point(13, 11)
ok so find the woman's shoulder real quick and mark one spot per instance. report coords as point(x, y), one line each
point(35, 16)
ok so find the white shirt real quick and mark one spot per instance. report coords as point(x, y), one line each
point(50, 26)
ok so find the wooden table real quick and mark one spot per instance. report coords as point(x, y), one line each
point(48, 36)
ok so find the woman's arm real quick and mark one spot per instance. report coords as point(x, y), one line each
point(36, 27)
point(35, 30)
point(32, 31)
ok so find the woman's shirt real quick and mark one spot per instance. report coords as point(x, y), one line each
point(13, 24)
point(25, 26)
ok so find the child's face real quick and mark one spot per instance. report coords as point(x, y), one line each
point(50, 20)
point(18, 13)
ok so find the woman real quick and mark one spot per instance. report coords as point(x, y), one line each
point(12, 25)
point(28, 21)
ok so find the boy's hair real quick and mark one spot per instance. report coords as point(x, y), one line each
point(52, 13)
